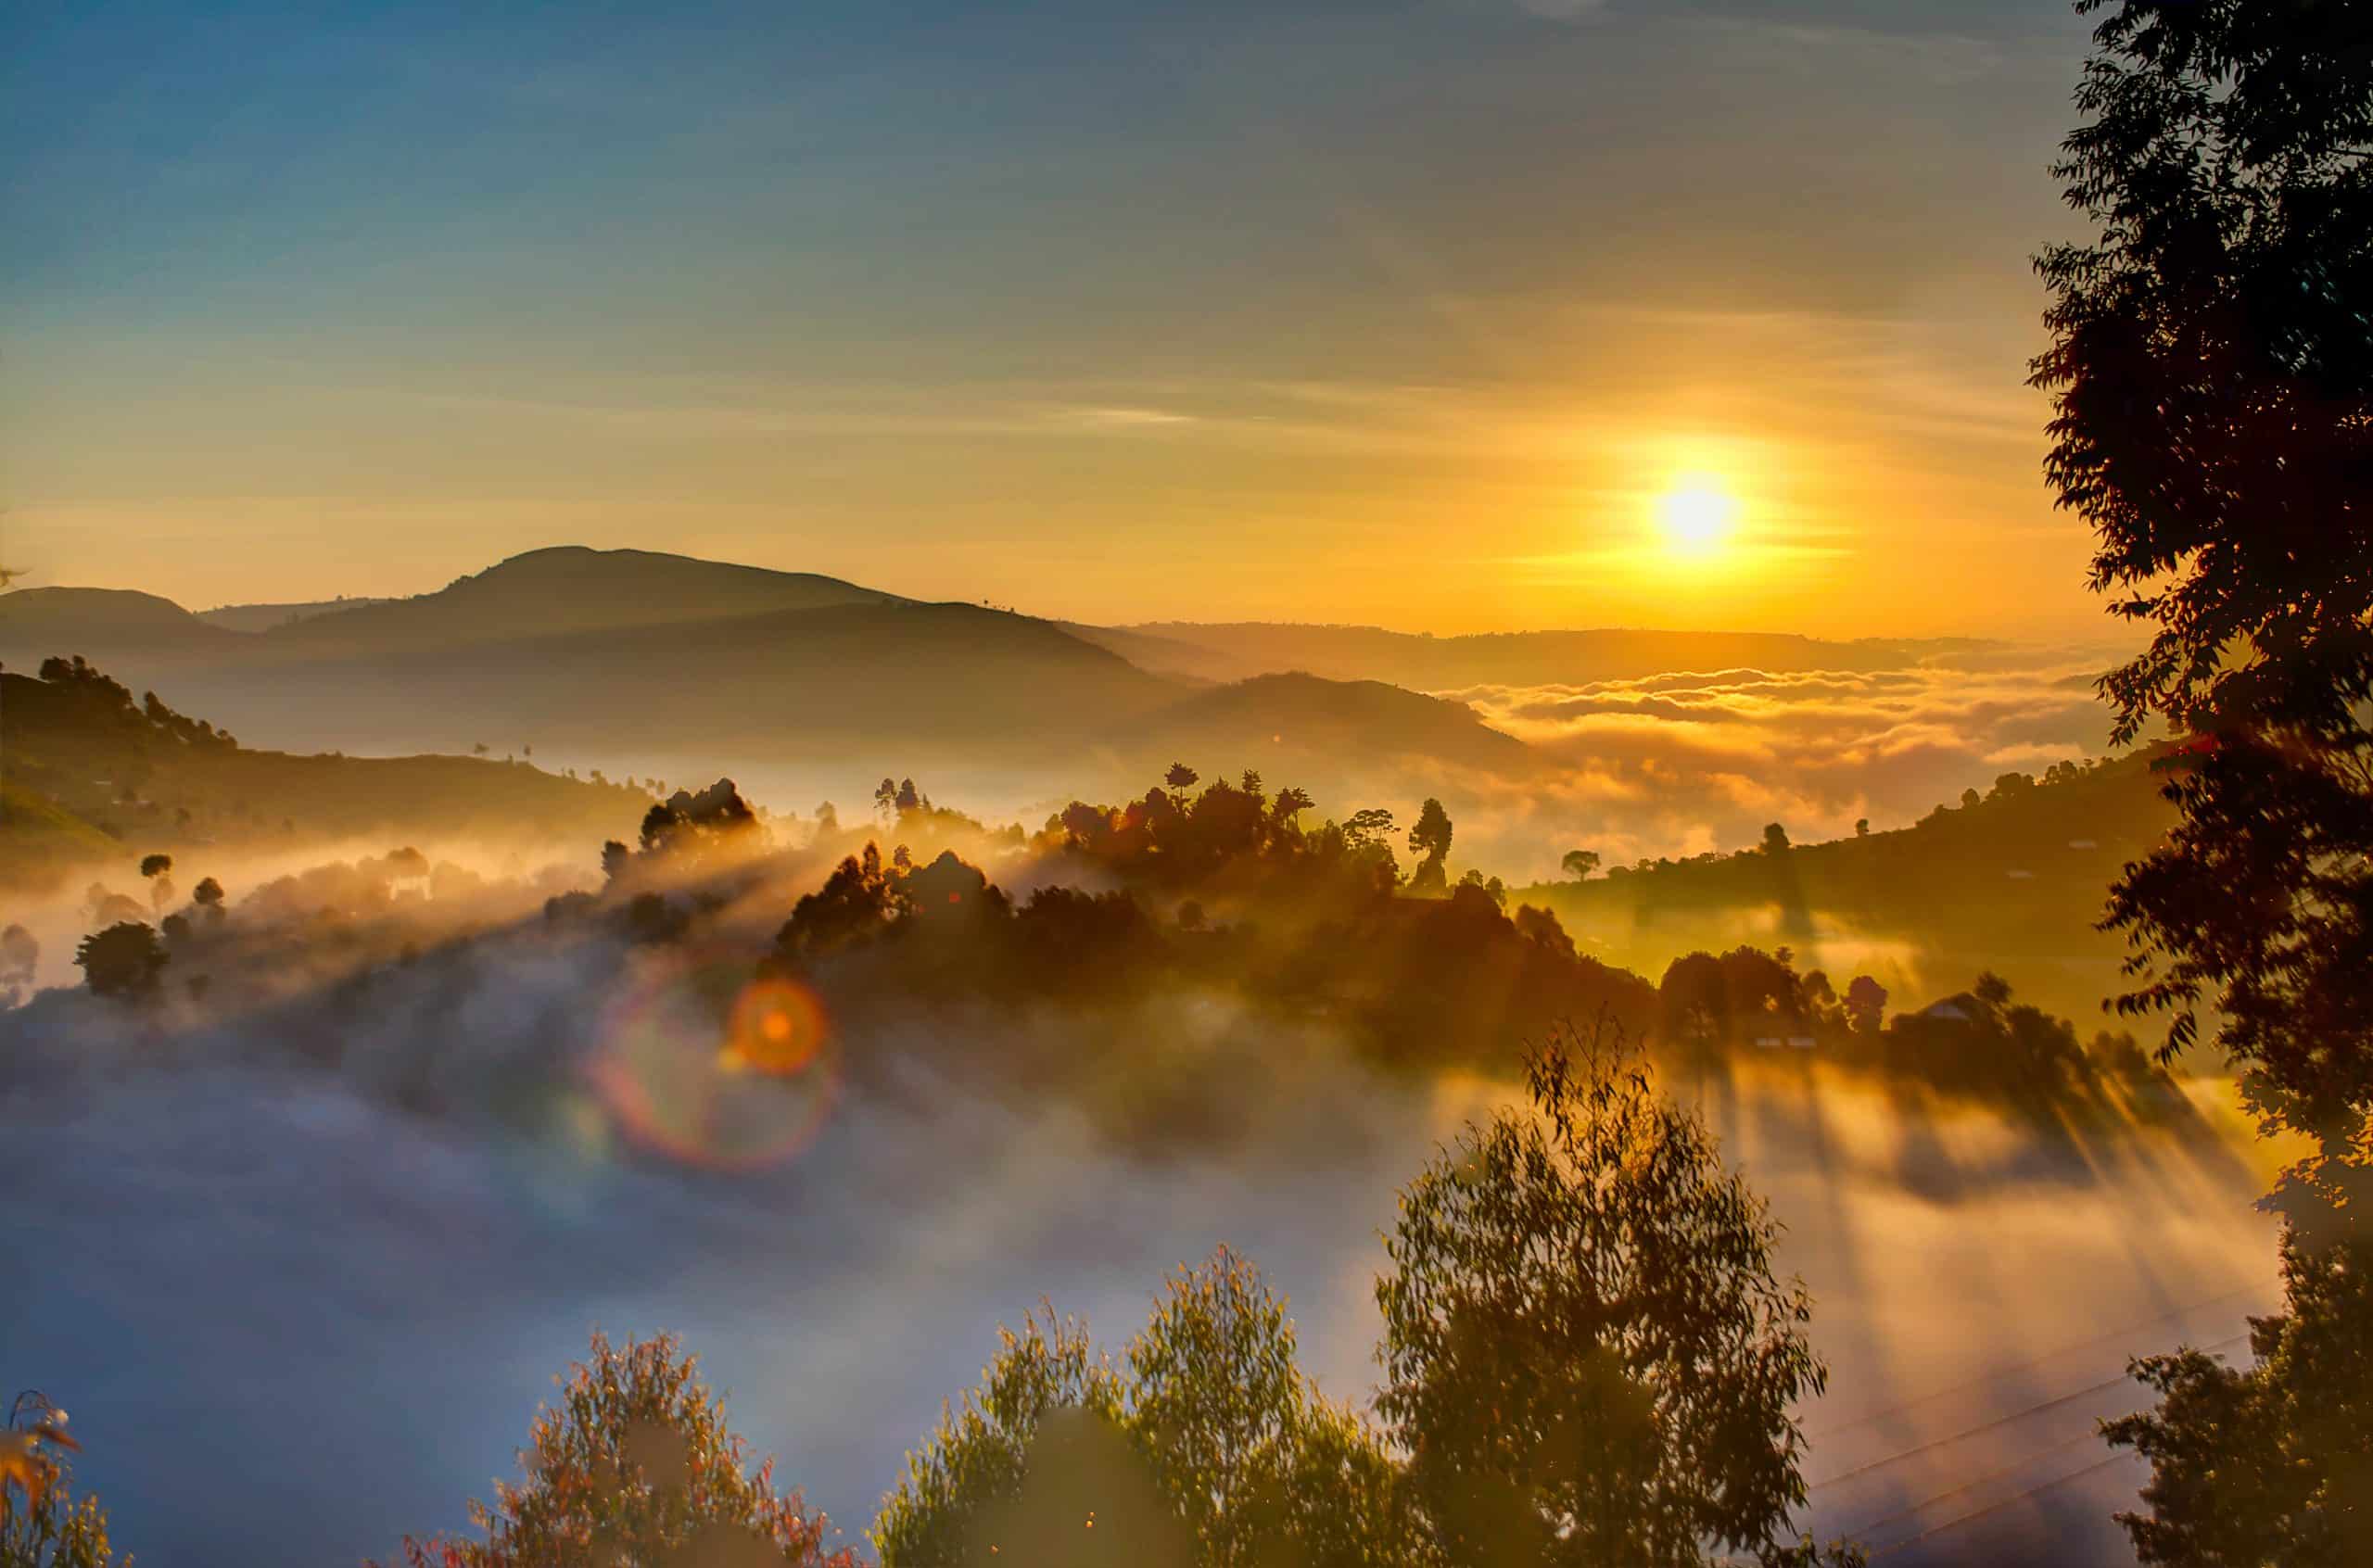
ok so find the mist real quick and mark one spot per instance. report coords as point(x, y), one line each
point(303, 1257)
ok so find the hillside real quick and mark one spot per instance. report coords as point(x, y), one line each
point(263, 617)
point(1237, 651)
point(1302, 717)
point(639, 654)
point(565, 589)
point(88, 777)
point(35, 623)
point(2014, 882)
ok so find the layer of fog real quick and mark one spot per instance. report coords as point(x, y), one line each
point(302, 1268)
point(1669, 766)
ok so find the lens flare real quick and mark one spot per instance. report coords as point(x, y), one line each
point(706, 1067)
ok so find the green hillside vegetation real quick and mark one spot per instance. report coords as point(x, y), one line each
point(2011, 880)
point(92, 775)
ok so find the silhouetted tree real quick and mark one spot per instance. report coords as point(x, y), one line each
point(1862, 826)
point(1580, 864)
point(1866, 1004)
point(2212, 370)
point(636, 1465)
point(1775, 839)
point(2272, 1464)
point(1206, 1447)
point(909, 798)
point(1430, 838)
point(160, 886)
point(1587, 1355)
point(125, 960)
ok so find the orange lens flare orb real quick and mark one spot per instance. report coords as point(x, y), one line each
point(709, 1069)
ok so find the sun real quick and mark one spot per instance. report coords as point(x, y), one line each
point(1696, 515)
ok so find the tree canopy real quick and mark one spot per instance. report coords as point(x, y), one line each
point(2211, 367)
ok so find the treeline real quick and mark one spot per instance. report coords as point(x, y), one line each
point(1223, 886)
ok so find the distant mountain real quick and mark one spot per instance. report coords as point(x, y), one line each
point(639, 654)
point(569, 588)
point(36, 623)
point(930, 680)
point(1237, 651)
point(263, 617)
point(1302, 716)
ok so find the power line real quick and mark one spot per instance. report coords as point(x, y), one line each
point(1985, 1377)
point(2101, 1387)
point(1996, 1507)
point(1899, 1515)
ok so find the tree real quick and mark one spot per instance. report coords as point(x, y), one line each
point(1775, 839)
point(1862, 826)
point(909, 798)
point(2272, 1464)
point(1587, 1355)
point(636, 1465)
point(1206, 1447)
point(1180, 778)
point(1580, 864)
point(160, 886)
point(125, 960)
point(1430, 838)
point(208, 895)
point(962, 1484)
point(1257, 1465)
point(2211, 367)
point(43, 1526)
point(885, 799)
point(1866, 1004)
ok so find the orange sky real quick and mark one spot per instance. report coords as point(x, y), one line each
point(1408, 319)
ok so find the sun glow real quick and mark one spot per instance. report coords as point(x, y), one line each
point(1697, 515)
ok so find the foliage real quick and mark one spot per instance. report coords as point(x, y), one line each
point(2272, 1464)
point(1207, 1448)
point(979, 1457)
point(2212, 368)
point(124, 960)
point(1587, 1355)
point(42, 1524)
point(637, 1468)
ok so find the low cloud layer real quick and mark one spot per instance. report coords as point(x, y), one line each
point(1678, 764)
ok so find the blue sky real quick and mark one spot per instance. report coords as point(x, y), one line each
point(1122, 309)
